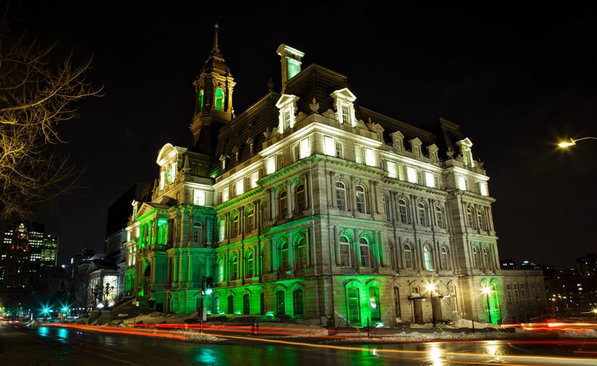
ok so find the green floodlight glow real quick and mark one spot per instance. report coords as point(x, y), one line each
point(209, 291)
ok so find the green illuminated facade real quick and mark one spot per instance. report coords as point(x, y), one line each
point(309, 206)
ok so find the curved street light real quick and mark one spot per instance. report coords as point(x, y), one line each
point(571, 142)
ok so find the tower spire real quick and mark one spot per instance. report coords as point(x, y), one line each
point(215, 48)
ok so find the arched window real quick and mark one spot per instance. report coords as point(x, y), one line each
point(283, 256)
point(301, 254)
point(249, 219)
point(422, 212)
point(485, 257)
point(475, 257)
point(365, 253)
point(428, 258)
point(297, 302)
point(201, 100)
point(354, 306)
point(340, 196)
point(280, 305)
point(231, 304)
point(481, 218)
point(374, 304)
point(220, 96)
point(403, 210)
point(235, 225)
point(301, 199)
point(222, 230)
point(246, 304)
point(444, 262)
point(408, 257)
point(283, 204)
point(233, 268)
point(249, 262)
point(440, 217)
point(197, 232)
point(344, 250)
point(361, 199)
point(470, 222)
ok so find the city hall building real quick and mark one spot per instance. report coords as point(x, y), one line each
point(308, 205)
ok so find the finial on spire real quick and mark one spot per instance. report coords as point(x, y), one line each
point(216, 49)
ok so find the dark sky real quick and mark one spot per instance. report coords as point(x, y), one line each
point(516, 77)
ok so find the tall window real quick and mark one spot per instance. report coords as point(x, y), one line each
point(387, 209)
point(365, 252)
point(354, 306)
point(201, 100)
point(280, 306)
point(470, 222)
point(408, 257)
point(230, 304)
point(361, 199)
point(222, 229)
point(283, 256)
point(301, 254)
point(233, 268)
point(197, 232)
point(220, 271)
point(374, 304)
point(235, 224)
point(444, 263)
point(301, 201)
point(340, 196)
point(439, 216)
point(246, 304)
point(485, 254)
point(481, 218)
point(297, 302)
point(345, 114)
point(249, 262)
point(220, 99)
point(344, 249)
point(422, 212)
point(475, 257)
point(428, 258)
point(249, 219)
point(339, 150)
point(283, 204)
point(403, 210)
point(397, 302)
point(286, 120)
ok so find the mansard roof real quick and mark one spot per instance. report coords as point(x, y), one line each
point(318, 82)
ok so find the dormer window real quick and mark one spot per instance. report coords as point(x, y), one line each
point(343, 102)
point(287, 106)
point(223, 161)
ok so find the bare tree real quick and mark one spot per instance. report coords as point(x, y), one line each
point(36, 95)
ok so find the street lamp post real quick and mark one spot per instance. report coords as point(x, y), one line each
point(564, 144)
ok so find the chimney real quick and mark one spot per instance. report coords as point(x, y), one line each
point(291, 62)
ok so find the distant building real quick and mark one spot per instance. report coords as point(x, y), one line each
point(25, 250)
point(310, 206)
point(117, 220)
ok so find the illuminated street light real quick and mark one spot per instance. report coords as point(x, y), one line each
point(571, 142)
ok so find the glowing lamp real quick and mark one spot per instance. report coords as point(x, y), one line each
point(431, 287)
point(209, 291)
point(486, 290)
point(565, 144)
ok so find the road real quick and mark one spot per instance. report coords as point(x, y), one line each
point(60, 346)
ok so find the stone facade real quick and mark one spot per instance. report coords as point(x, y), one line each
point(313, 207)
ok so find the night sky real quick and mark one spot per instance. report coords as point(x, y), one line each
point(516, 77)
